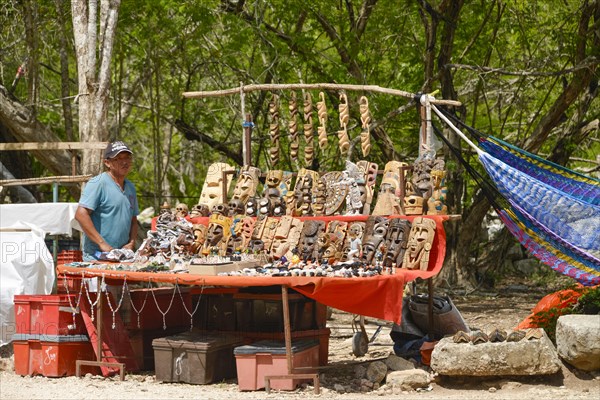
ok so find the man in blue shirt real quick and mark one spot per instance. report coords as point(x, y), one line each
point(108, 206)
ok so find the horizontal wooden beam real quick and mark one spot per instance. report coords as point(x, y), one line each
point(45, 180)
point(308, 86)
point(53, 146)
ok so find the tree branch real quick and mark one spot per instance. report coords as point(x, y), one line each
point(192, 133)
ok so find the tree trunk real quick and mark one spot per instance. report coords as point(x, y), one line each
point(93, 72)
point(19, 120)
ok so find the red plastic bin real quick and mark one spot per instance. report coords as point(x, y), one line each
point(52, 355)
point(267, 357)
point(48, 315)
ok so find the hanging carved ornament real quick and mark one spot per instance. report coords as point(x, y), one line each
point(293, 127)
point(344, 140)
point(322, 114)
point(420, 242)
point(246, 184)
point(308, 129)
point(212, 189)
point(365, 119)
point(274, 129)
point(336, 194)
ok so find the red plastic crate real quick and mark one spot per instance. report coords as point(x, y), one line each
point(266, 358)
point(69, 256)
point(52, 355)
point(47, 315)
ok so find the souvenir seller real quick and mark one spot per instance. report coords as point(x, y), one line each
point(108, 206)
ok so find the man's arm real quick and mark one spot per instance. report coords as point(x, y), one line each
point(132, 234)
point(82, 215)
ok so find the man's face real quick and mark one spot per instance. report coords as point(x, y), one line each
point(120, 165)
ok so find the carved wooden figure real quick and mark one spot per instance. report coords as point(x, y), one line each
point(305, 189)
point(355, 231)
point(389, 196)
point(217, 235)
point(365, 119)
point(308, 129)
point(396, 241)
point(274, 129)
point(307, 247)
point(344, 140)
point(199, 237)
point(181, 210)
point(322, 114)
point(369, 171)
point(286, 237)
point(293, 127)
point(247, 184)
point(212, 190)
point(436, 203)
point(200, 210)
point(336, 194)
point(420, 242)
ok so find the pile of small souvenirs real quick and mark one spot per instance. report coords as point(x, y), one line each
point(269, 227)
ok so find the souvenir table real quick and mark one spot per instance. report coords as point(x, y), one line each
point(378, 296)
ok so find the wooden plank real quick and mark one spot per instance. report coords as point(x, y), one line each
point(53, 146)
point(45, 180)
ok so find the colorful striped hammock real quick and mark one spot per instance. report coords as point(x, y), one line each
point(553, 212)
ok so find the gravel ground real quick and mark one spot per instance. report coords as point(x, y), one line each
point(503, 310)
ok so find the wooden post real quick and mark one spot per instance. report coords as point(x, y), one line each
point(248, 124)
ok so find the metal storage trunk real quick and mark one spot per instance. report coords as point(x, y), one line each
point(195, 358)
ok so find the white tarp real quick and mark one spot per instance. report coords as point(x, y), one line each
point(52, 218)
point(26, 264)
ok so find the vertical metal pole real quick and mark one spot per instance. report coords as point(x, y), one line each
point(286, 327)
point(55, 240)
point(430, 308)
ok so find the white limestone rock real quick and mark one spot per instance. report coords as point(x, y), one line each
point(396, 363)
point(376, 371)
point(578, 340)
point(526, 357)
point(408, 379)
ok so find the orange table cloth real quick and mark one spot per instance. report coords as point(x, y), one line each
point(378, 296)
